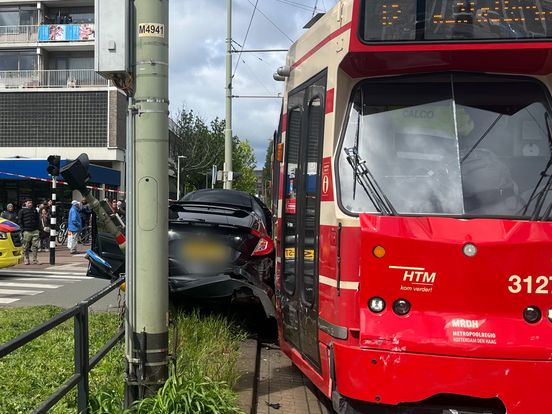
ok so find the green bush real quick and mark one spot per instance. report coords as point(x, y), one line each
point(201, 382)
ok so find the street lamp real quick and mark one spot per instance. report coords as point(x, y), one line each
point(178, 176)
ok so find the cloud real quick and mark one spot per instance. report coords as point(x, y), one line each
point(197, 31)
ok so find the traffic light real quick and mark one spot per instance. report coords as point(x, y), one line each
point(76, 174)
point(53, 165)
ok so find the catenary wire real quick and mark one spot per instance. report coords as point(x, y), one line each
point(245, 37)
point(257, 78)
point(297, 5)
point(271, 22)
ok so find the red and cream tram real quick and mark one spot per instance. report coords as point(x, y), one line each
point(414, 242)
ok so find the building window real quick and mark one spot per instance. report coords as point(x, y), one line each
point(18, 16)
point(18, 60)
point(75, 60)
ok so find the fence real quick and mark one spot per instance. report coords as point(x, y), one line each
point(19, 34)
point(83, 365)
point(66, 78)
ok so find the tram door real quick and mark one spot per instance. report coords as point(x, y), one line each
point(301, 217)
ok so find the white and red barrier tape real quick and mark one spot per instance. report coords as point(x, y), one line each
point(48, 180)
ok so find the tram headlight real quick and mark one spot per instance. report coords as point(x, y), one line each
point(469, 249)
point(532, 314)
point(550, 315)
point(401, 307)
point(376, 304)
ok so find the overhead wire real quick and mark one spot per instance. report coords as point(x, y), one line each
point(245, 37)
point(254, 54)
point(315, 7)
point(271, 22)
point(257, 78)
point(297, 5)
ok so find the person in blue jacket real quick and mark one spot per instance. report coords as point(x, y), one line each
point(74, 226)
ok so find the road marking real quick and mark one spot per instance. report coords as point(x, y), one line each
point(49, 277)
point(20, 292)
point(5, 301)
point(70, 266)
point(43, 279)
point(29, 285)
point(42, 272)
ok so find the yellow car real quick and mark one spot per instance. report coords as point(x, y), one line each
point(11, 242)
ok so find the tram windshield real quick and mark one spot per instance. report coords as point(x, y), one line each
point(438, 20)
point(448, 144)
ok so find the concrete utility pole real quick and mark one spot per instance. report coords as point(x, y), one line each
point(227, 173)
point(148, 311)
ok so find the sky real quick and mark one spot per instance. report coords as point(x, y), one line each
point(197, 47)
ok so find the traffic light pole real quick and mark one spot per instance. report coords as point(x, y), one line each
point(147, 356)
point(53, 223)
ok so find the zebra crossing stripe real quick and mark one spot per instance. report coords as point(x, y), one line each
point(29, 285)
point(6, 301)
point(20, 292)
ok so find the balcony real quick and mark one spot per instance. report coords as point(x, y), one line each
point(47, 33)
point(18, 34)
point(66, 32)
point(70, 78)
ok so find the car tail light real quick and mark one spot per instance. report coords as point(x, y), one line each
point(264, 246)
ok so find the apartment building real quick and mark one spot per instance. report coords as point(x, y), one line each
point(51, 100)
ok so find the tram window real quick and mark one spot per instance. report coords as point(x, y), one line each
point(408, 20)
point(475, 146)
point(290, 201)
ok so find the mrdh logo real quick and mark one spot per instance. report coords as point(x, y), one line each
point(416, 279)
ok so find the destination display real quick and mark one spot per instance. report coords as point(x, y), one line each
point(441, 20)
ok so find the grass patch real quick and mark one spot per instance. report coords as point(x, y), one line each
point(206, 371)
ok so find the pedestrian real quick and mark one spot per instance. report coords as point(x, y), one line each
point(74, 226)
point(29, 222)
point(9, 213)
point(121, 209)
point(114, 205)
point(85, 212)
point(44, 227)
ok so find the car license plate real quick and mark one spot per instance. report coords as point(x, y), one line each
point(206, 251)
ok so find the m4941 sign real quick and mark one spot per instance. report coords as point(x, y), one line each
point(151, 30)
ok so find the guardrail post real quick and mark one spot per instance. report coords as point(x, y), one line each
point(81, 357)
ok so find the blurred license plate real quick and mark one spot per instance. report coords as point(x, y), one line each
point(206, 251)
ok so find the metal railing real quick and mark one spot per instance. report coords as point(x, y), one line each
point(83, 364)
point(19, 34)
point(66, 78)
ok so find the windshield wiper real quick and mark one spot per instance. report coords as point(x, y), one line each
point(472, 149)
point(364, 177)
point(541, 195)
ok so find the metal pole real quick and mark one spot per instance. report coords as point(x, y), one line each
point(53, 223)
point(130, 298)
point(178, 179)
point(227, 173)
point(149, 356)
